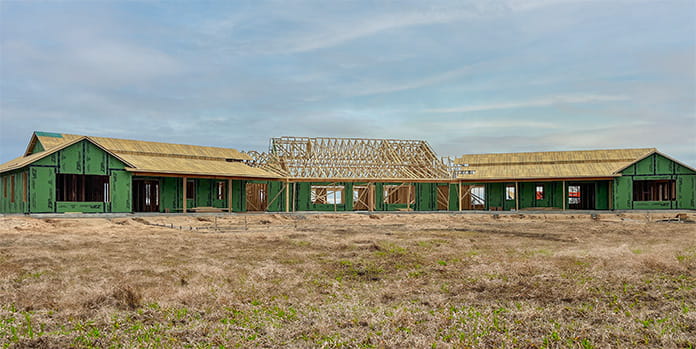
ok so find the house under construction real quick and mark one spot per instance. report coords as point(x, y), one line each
point(72, 173)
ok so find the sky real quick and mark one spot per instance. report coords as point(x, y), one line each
point(467, 76)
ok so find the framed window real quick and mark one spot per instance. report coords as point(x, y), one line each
point(327, 194)
point(190, 189)
point(510, 192)
point(574, 194)
point(399, 194)
point(663, 190)
point(478, 195)
point(82, 188)
point(220, 190)
point(540, 192)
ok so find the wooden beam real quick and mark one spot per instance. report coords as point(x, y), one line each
point(517, 197)
point(184, 195)
point(287, 196)
point(564, 196)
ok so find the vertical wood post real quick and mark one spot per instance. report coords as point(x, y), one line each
point(564, 196)
point(184, 195)
point(409, 197)
point(517, 197)
point(371, 197)
point(229, 196)
point(287, 195)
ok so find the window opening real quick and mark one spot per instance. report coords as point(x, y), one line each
point(82, 188)
point(574, 195)
point(12, 188)
point(399, 194)
point(190, 189)
point(540, 192)
point(221, 190)
point(510, 192)
point(327, 194)
point(662, 190)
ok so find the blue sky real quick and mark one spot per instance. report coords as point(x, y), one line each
point(467, 76)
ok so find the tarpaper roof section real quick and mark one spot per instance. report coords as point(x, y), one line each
point(549, 165)
point(154, 157)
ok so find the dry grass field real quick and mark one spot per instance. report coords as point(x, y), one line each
point(336, 280)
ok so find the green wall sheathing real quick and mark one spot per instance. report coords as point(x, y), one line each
point(42, 189)
point(121, 191)
point(8, 203)
point(71, 159)
point(84, 207)
point(95, 162)
point(37, 148)
point(655, 167)
point(453, 194)
point(602, 195)
point(171, 194)
point(49, 160)
point(203, 192)
point(686, 191)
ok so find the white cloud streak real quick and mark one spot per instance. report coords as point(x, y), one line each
point(532, 103)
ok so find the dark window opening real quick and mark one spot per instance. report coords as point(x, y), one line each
point(665, 190)
point(24, 186)
point(82, 188)
point(12, 188)
point(190, 189)
point(221, 190)
point(540, 192)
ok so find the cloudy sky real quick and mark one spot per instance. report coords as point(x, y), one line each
point(468, 76)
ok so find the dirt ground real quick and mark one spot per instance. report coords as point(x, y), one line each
point(349, 280)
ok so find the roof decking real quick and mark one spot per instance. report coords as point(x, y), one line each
point(152, 157)
point(549, 165)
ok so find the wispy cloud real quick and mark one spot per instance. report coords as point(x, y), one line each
point(532, 103)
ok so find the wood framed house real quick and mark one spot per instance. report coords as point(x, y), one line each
point(588, 180)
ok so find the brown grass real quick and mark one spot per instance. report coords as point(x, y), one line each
point(425, 280)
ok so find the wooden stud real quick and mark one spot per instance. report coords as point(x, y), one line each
point(184, 195)
point(287, 196)
point(564, 196)
point(517, 197)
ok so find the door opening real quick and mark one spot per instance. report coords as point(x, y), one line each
point(256, 197)
point(581, 196)
point(145, 195)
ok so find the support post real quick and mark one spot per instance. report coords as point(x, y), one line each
point(517, 197)
point(184, 195)
point(294, 190)
point(564, 196)
point(287, 195)
point(611, 195)
point(229, 196)
point(409, 197)
point(371, 197)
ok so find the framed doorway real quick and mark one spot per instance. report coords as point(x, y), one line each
point(146, 195)
point(581, 196)
point(256, 196)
